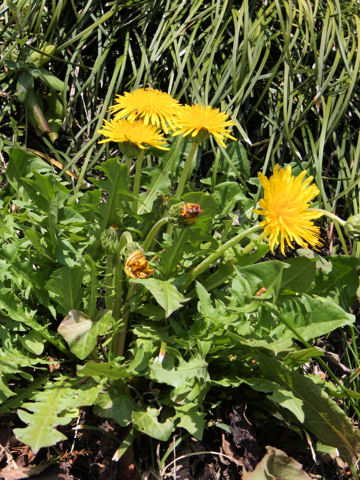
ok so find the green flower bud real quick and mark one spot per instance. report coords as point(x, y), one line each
point(352, 227)
point(184, 213)
point(110, 239)
point(130, 248)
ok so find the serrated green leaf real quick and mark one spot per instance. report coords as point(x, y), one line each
point(322, 416)
point(117, 187)
point(183, 373)
point(191, 419)
point(33, 342)
point(159, 184)
point(65, 283)
point(227, 194)
point(300, 275)
point(147, 422)
point(165, 293)
point(56, 405)
point(119, 407)
point(314, 316)
point(22, 164)
point(106, 370)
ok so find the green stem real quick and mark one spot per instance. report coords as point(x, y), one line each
point(108, 281)
point(128, 162)
point(207, 262)
point(119, 309)
point(337, 219)
point(118, 289)
point(338, 222)
point(251, 245)
point(186, 170)
point(93, 286)
point(175, 249)
point(120, 338)
point(153, 233)
point(137, 179)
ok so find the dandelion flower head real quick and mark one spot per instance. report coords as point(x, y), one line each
point(136, 265)
point(201, 121)
point(152, 106)
point(286, 209)
point(189, 212)
point(136, 133)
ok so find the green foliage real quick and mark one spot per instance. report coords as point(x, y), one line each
point(288, 74)
point(277, 464)
point(56, 405)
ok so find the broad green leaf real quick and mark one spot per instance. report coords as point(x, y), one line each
point(309, 316)
point(69, 215)
point(147, 422)
point(57, 404)
point(300, 275)
point(227, 194)
point(251, 279)
point(81, 333)
point(286, 399)
point(22, 164)
point(106, 370)
point(165, 293)
point(119, 407)
point(314, 316)
point(183, 373)
point(191, 419)
point(340, 280)
point(159, 184)
point(33, 342)
point(37, 243)
point(5, 391)
point(25, 83)
point(117, 187)
point(65, 283)
point(277, 465)
point(322, 416)
point(301, 356)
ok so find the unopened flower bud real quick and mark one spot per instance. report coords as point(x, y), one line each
point(110, 239)
point(352, 227)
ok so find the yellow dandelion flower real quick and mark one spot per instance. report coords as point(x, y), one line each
point(189, 212)
point(135, 133)
point(152, 106)
point(200, 122)
point(136, 265)
point(285, 207)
